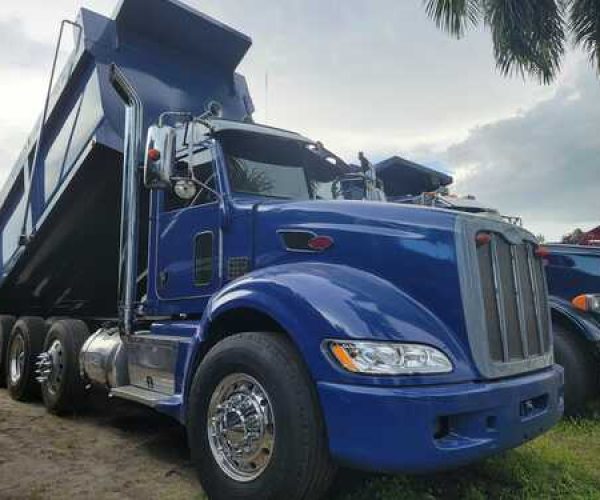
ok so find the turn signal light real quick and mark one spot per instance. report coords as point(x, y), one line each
point(587, 302)
point(542, 252)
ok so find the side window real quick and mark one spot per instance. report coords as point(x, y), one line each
point(203, 259)
point(203, 171)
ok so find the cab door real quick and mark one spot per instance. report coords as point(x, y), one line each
point(188, 246)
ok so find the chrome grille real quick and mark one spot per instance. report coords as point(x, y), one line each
point(504, 296)
point(514, 297)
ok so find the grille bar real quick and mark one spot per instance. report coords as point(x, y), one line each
point(505, 297)
point(536, 298)
point(520, 301)
point(511, 277)
point(499, 299)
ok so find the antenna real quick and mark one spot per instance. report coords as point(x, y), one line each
point(266, 96)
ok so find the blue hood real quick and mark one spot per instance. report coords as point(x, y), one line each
point(413, 248)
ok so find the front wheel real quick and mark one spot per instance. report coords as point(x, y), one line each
point(254, 424)
point(581, 370)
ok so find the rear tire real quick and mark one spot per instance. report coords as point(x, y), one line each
point(581, 372)
point(298, 465)
point(6, 325)
point(24, 346)
point(65, 389)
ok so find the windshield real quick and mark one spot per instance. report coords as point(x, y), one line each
point(277, 168)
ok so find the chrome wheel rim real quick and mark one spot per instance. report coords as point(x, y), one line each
point(241, 427)
point(55, 354)
point(17, 359)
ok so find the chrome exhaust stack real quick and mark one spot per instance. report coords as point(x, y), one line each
point(132, 159)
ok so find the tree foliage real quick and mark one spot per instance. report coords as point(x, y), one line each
point(529, 36)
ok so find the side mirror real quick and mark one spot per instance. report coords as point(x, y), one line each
point(160, 157)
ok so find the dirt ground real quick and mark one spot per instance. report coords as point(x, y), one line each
point(111, 450)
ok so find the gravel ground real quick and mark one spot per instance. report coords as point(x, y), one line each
point(111, 450)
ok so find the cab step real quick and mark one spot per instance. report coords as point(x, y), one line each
point(142, 396)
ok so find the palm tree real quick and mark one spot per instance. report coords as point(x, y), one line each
point(529, 36)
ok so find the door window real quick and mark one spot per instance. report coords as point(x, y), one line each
point(203, 259)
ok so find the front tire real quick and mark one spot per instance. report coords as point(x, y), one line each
point(581, 372)
point(24, 346)
point(254, 423)
point(64, 389)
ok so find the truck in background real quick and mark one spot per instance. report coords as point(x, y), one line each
point(227, 285)
point(572, 273)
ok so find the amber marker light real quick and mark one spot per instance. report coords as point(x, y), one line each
point(343, 357)
point(542, 252)
point(587, 302)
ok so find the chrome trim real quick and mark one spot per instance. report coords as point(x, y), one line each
point(499, 298)
point(138, 395)
point(103, 359)
point(536, 299)
point(304, 231)
point(16, 359)
point(466, 228)
point(241, 427)
point(519, 299)
point(220, 257)
point(132, 158)
point(152, 362)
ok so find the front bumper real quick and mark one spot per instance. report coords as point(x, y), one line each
point(422, 429)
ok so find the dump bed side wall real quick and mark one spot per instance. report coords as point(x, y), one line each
point(180, 72)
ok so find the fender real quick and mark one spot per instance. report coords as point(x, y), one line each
point(582, 323)
point(318, 301)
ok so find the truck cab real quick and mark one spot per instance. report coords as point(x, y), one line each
point(159, 244)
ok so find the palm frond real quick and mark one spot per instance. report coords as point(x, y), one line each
point(585, 26)
point(453, 16)
point(528, 36)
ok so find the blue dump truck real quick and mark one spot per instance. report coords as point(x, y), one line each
point(573, 274)
point(158, 243)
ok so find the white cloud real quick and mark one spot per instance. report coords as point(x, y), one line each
point(542, 164)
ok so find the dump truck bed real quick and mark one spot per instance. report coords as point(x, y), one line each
point(178, 60)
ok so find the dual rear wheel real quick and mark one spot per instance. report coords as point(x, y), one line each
point(38, 351)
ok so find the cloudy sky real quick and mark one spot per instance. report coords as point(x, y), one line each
point(375, 76)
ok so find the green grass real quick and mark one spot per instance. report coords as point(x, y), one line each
point(564, 463)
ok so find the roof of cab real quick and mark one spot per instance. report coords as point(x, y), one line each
point(219, 125)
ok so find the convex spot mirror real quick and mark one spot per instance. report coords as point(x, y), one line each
point(160, 157)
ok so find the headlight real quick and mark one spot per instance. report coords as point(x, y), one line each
point(383, 358)
point(588, 302)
